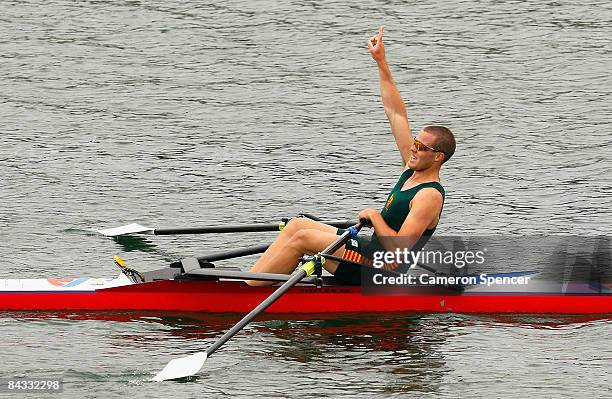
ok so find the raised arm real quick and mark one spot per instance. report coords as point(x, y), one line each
point(391, 98)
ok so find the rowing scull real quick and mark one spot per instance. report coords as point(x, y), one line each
point(222, 291)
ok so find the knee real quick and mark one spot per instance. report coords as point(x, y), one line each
point(295, 225)
point(300, 240)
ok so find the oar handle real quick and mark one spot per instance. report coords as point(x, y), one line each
point(363, 222)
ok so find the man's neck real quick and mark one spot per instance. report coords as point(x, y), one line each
point(422, 176)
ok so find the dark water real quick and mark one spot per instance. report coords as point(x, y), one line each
point(189, 113)
point(112, 355)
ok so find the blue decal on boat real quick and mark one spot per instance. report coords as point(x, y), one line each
point(75, 282)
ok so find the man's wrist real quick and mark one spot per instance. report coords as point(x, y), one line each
point(382, 63)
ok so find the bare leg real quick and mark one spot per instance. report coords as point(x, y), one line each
point(284, 254)
point(279, 244)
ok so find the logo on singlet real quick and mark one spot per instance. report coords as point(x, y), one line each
point(389, 201)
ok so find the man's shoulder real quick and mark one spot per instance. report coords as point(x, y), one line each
point(429, 193)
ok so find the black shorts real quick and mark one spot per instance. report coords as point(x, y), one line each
point(358, 255)
point(355, 251)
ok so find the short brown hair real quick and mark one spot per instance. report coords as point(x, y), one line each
point(445, 140)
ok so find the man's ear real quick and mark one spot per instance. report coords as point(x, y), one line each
point(440, 156)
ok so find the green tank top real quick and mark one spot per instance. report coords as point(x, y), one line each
point(397, 207)
point(396, 211)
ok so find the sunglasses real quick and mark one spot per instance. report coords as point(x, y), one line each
point(423, 147)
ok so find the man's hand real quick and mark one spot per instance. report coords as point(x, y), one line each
point(376, 47)
point(369, 214)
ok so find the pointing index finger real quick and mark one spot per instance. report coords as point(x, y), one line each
point(381, 31)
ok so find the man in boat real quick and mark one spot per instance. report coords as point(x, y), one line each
point(413, 207)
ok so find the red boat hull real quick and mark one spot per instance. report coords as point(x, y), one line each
point(237, 297)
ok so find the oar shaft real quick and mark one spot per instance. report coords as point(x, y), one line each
point(255, 312)
point(247, 228)
point(333, 247)
point(301, 273)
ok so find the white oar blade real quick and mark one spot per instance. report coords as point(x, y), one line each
point(127, 229)
point(181, 368)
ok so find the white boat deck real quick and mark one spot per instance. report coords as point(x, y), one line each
point(62, 284)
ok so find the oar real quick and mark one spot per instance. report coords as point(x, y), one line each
point(136, 228)
point(190, 365)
